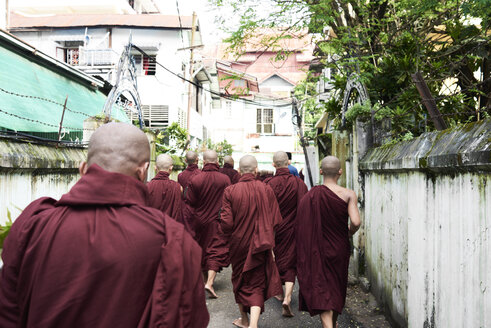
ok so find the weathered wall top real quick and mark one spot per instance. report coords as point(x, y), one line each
point(463, 148)
point(22, 155)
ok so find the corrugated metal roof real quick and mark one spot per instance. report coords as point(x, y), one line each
point(33, 89)
point(19, 22)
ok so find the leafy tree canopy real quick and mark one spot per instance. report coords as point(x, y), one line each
point(383, 42)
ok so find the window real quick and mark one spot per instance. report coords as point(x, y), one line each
point(264, 121)
point(145, 65)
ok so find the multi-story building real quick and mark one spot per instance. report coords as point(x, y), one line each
point(92, 35)
point(258, 116)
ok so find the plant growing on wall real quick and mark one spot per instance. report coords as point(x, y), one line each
point(5, 229)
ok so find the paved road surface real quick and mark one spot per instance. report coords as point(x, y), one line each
point(224, 310)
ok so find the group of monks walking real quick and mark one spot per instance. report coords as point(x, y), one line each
point(116, 252)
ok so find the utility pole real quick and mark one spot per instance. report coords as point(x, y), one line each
point(303, 142)
point(190, 87)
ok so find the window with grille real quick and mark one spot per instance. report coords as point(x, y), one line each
point(145, 65)
point(154, 116)
point(264, 121)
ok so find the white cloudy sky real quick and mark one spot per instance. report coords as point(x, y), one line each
point(206, 14)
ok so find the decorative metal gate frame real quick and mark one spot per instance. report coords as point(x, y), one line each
point(125, 82)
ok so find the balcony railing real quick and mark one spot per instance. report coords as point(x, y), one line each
point(97, 57)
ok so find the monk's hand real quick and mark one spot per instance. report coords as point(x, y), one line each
point(274, 257)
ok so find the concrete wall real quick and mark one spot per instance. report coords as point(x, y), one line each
point(29, 171)
point(427, 213)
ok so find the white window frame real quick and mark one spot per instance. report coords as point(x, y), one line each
point(265, 121)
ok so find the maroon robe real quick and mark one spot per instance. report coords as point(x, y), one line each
point(288, 190)
point(229, 171)
point(185, 176)
point(323, 251)
point(204, 196)
point(249, 215)
point(166, 195)
point(99, 257)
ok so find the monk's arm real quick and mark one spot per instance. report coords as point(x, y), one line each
point(353, 213)
point(226, 216)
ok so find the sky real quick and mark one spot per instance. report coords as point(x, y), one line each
point(206, 16)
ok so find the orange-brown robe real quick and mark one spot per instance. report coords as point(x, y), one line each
point(204, 196)
point(100, 257)
point(323, 251)
point(288, 190)
point(249, 216)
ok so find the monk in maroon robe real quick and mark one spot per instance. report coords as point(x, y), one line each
point(99, 257)
point(249, 216)
point(204, 195)
point(166, 194)
point(288, 190)
point(228, 169)
point(327, 216)
point(185, 176)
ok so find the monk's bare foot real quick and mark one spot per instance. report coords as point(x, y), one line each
point(240, 323)
point(287, 310)
point(211, 292)
point(279, 298)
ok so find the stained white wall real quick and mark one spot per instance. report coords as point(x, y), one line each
point(19, 188)
point(428, 246)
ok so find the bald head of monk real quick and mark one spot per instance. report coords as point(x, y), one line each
point(164, 163)
point(210, 156)
point(331, 167)
point(280, 159)
point(228, 160)
point(120, 148)
point(192, 157)
point(248, 164)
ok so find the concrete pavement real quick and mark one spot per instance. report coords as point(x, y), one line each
point(223, 311)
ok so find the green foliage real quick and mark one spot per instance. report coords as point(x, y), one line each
point(5, 229)
point(223, 148)
point(384, 42)
point(173, 140)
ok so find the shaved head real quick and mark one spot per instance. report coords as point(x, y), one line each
point(248, 164)
point(164, 163)
point(191, 157)
point(330, 166)
point(280, 159)
point(210, 156)
point(121, 148)
point(228, 160)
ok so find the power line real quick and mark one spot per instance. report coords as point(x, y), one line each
point(218, 94)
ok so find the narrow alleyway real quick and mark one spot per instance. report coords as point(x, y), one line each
point(224, 310)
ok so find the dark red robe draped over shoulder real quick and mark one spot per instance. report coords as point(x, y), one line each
point(229, 171)
point(288, 190)
point(166, 195)
point(99, 257)
point(323, 251)
point(204, 196)
point(249, 216)
point(185, 176)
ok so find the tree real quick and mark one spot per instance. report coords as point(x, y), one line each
point(384, 42)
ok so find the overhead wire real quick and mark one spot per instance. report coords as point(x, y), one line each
point(218, 94)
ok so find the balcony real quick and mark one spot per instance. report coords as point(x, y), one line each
point(97, 57)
